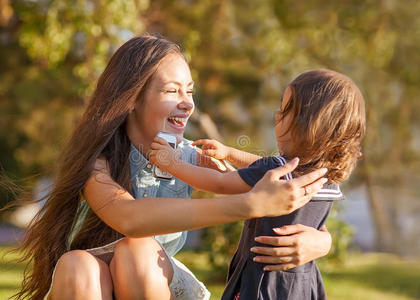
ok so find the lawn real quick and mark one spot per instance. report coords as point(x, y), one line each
point(365, 276)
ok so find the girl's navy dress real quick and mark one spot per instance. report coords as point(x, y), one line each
point(248, 277)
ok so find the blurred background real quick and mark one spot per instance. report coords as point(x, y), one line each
point(242, 54)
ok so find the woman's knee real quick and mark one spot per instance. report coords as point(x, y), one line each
point(140, 263)
point(146, 254)
point(80, 273)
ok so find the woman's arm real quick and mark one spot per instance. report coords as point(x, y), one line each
point(238, 158)
point(296, 245)
point(142, 217)
point(205, 179)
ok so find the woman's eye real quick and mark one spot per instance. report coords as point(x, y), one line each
point(171, 91)
point(190, 92)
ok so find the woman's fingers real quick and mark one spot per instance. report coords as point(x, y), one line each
point(282, 241)
point(314, 187)
point(280, 259)
point(274, 259)
point(274, 251)
point(280, 267)
point(289, 229)
point(279, 172)
point(298, 242)
point(311, 190)
point(308, 179)
point(305, 194)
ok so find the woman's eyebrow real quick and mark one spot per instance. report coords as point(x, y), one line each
point(178, 83)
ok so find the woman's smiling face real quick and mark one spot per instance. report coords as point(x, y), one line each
point(167, 102)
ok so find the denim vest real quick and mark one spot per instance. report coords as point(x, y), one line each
point(145, 185)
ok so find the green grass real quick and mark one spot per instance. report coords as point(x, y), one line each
point(365, 276)
point(10, 273)
point(374, 276)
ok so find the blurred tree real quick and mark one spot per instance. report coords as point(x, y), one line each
point(51, 54)
point(242, 56)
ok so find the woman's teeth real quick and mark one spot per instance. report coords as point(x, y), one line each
point(178, 121)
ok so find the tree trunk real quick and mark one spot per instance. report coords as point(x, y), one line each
point(382, 224)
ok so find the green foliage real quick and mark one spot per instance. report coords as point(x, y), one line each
point(52, 53)
point(220, 242)
point(342, 237)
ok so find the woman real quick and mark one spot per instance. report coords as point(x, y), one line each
point(128, 244)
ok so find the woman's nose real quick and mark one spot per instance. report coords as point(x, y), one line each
point(186, 104)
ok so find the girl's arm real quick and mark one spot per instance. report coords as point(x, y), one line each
point(205, 179)
point(143, 217)
point(209, 162)
point(238, 158)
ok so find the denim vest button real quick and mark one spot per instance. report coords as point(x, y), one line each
point(149, 166)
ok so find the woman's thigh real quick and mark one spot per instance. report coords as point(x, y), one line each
point(140, 269)
point(80, 275)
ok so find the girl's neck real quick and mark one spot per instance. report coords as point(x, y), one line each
point(283, 153)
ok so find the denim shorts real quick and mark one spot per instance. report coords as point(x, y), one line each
point(184, 285)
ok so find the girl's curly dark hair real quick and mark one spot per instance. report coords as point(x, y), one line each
point(327, 123)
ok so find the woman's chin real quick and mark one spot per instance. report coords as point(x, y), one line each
point(178, 131)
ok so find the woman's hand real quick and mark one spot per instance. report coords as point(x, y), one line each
point(163, 155)
point(272, 196)
point(213, 148)
point(296, 245)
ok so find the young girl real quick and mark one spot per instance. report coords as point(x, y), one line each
point(322, 121)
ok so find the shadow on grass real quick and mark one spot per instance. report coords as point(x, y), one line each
point(401, 279)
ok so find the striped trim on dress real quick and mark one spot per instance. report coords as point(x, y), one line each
point(328, 192)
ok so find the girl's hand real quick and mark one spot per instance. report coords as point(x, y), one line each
point(213, 148)
point(163, 155)
point(272, 196)
point(296, 245)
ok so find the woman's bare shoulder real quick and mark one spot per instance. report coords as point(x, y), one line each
point(100, 165)
point(100, 174)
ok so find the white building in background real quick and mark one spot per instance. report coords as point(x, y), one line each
point(355, 211)
point(23, 215)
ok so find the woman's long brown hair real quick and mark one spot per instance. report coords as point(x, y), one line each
point(101, 131)
point(327, 125)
